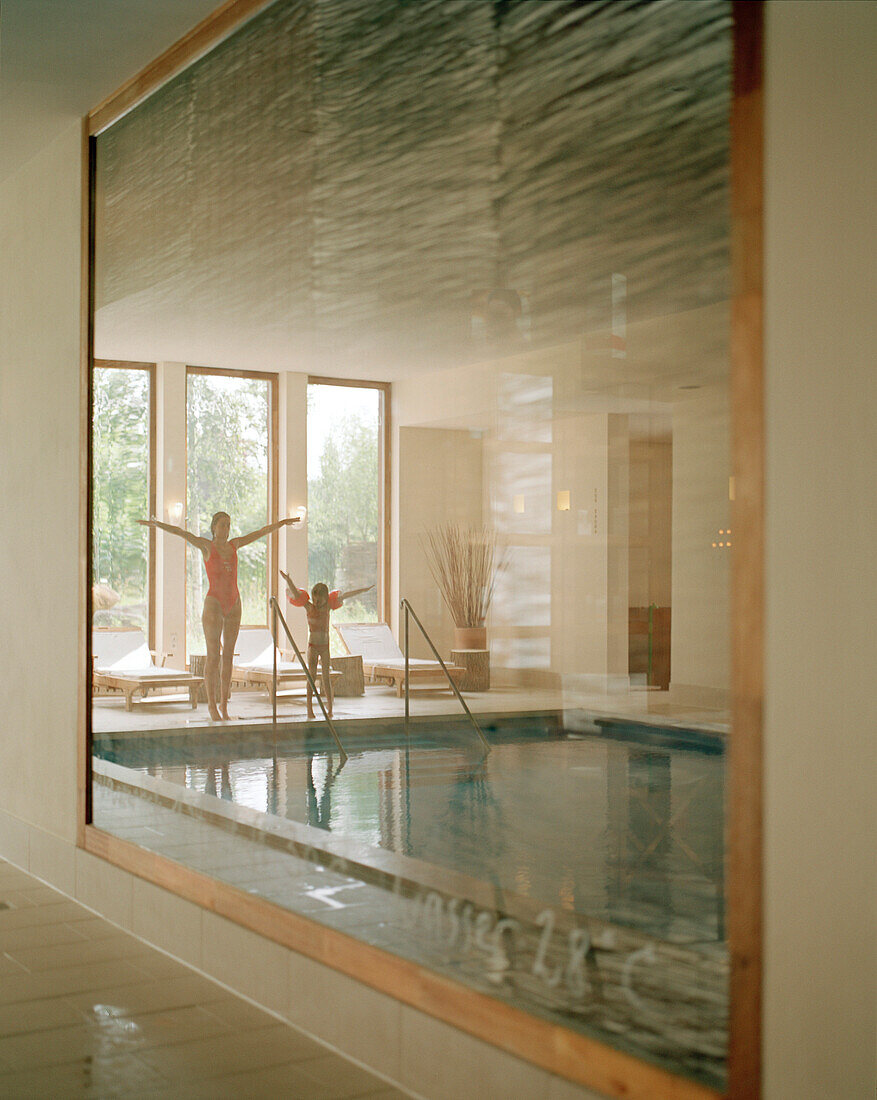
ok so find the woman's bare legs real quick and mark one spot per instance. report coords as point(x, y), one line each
point(211, 621)
point(230, 628)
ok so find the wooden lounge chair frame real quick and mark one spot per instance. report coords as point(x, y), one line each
point(388, 666)
point(130, 681)
point(260, 673)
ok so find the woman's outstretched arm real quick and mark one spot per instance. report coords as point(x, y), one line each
point(297, 593)
point(197, 541)
point(245, 540)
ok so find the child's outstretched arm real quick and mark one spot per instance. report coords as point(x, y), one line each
point(342, 596)
point(298, 594)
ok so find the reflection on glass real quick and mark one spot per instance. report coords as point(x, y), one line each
point(522, 503)
point(537, 264)
point(525, 408)
point(524, 585)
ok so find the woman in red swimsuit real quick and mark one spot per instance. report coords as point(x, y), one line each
point(221, 617)
point(317, 607)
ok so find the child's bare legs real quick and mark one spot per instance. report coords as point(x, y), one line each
point(327, 680)
point(319, 655)
point(313, 658)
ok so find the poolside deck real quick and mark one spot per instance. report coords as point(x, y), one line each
point(379, 701)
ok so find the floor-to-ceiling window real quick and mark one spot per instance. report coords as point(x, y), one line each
point(122, 493)
point(347, 505)
point(229, 468)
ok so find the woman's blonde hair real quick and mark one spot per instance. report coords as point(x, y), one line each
point(319, 593)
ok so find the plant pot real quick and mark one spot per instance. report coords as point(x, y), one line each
point(470, 637)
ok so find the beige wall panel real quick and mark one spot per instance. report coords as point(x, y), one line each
point(700, 657)
point(820, 720)
point(439, 481)
point(39, 485)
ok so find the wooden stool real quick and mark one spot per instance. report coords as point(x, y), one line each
point(351, 681)
point(197, 661)
point(477, 665)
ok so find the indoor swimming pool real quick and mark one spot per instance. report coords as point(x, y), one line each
point(624, 823)
point(575, 871)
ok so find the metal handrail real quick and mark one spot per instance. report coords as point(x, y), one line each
point(405, 606)
point(278, 614)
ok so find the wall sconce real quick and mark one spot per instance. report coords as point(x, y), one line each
point(518, 504)
point(563, 504)
point(301, 512)
point(725, 539)
point(175, 511)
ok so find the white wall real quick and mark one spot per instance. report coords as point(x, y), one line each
point(821, 727)
point(293, 491)
point(439, 482)
point(40, 636)
point(170, 489)
point(700, 661)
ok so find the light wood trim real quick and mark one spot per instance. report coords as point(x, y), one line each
point(86, 323)
point(384, 478)
point(153, 493)
point(548, 1045)
point(386, 501)
point(219, 25)
point(273, 556)
point(747, 561)
point(264, 375)
point(349, 383)
point(124, 364)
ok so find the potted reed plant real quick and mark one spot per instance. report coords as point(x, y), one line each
point(464, 564)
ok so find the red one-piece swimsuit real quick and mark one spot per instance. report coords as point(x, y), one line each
point(223, 576)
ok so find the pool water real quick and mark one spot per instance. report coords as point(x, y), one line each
point(624, 824)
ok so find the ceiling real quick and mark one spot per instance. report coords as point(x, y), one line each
point(609, 202)
point(60, 58)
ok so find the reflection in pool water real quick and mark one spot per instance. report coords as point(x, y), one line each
point(619, 830)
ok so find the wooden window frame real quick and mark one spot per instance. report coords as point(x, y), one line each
point(273, 463)
point(149, 368)
point(547, 1045)
point(384, 478)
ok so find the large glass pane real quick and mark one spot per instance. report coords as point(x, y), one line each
point(120, 496)
point(343, 496)
point(228, 433)
point(514, 216)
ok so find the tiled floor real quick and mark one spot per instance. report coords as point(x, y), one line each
point(87, 1010)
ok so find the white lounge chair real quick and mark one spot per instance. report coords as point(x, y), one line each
point(383, 660)
point(122, 661)
point(254, 665)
